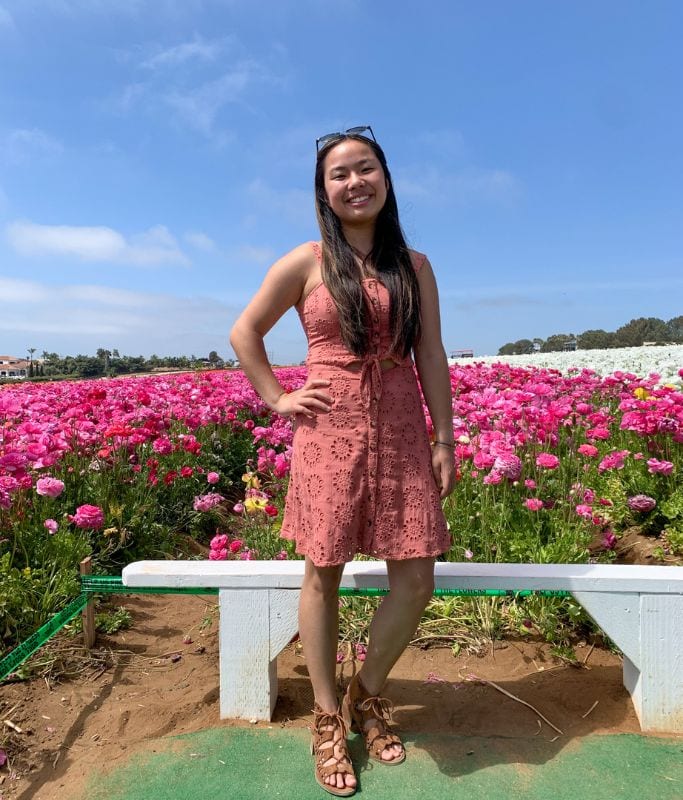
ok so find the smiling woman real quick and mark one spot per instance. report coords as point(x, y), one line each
point(363, 476)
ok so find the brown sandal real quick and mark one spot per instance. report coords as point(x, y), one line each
point(323, 745)
point(359, 707)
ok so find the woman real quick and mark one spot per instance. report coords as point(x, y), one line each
point(363, 476)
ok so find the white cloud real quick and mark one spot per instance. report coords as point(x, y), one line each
point(153, 247)
point(200, 106)
point(250, 254)
point(81, 318)
point(6, 20)
point(294, 205)
point(197, 49)
point(465, 187)
point(200, 241)
point(24, 144)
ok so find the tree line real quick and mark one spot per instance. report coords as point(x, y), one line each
point(634, 334)
point(108, 363)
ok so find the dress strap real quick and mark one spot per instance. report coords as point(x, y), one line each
point(318, 252)
point(418, 260)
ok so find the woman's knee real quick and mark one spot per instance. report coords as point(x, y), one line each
point(413, 579)
point(322, 581)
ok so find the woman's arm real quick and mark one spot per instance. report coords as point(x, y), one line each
point(281, 289)
point(432, 367)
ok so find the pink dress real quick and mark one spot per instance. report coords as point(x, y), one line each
point(361, 477)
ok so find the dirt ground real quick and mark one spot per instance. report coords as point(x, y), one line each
point(160, 678)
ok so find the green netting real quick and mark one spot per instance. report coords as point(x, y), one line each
point(36, 640)
point(112, 584)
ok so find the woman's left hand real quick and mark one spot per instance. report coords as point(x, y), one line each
point(443, 466)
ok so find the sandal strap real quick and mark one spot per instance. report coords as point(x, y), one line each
point(325, 742)
point(379, 735)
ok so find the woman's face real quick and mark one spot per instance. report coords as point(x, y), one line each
point(354, 182)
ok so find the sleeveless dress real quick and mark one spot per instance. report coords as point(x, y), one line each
point(361, 477)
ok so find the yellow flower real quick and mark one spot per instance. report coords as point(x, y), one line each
point(641, 394)
point(27, 571)
point(252, 481)
point(254, 504)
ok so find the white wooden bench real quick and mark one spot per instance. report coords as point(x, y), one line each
point(639, 608)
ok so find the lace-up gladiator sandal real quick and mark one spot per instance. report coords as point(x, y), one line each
point(329, 734)
point(370, 715)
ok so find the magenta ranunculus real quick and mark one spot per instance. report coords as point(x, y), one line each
point(547, 461)
point(88, 517)
point(219, 541)
point(657, 467)
point(588, 450)
point(51, 525)
point(533, 504)
point(218, 555)
point(641, 502)
point(584, 511)
point(509, 465)
point(49, 487)
point(212, 477)
point(206, 502)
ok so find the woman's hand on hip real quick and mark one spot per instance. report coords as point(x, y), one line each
point(310, 400)
point(443, 466)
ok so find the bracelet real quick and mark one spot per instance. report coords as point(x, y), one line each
point(443, 444)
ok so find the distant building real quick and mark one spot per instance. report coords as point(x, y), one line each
point(467, 353)
point(13, 367)
point(572, 344)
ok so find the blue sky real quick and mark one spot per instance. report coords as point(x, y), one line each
point(156, 157)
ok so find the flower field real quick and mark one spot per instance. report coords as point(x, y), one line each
point(664, 361)
point(551, 467)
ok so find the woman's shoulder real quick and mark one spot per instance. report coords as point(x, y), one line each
point(301, 260)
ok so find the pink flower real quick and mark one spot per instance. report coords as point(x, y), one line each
point(206, 502)
point(186, 472)
point(212, 477)
point(609, 540)
point(533, 504)
point(281, 556)
point(271, 510)
point(238, 508)
point(509, 465)
point(218, 555)
point(547, 461)
point(584, 511)
point(641, 502)
point(361, 651)
point(162, 445)
point(5, 499)
point(493, 478)
point(613, 460)
point(219, 541)
point(657, 467)
point(49, 487)
point(598, 433)
point(468, 554)
point(88, 517)
point(236, 545)
point(51, 525)
point(530, 483)
point(588, 450)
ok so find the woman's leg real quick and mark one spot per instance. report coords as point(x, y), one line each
point(412, 585)
point(319, 632)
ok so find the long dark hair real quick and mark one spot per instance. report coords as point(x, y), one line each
point(390, 259)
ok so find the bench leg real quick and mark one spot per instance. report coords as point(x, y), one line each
point(255, 624)
point(648, 628)
point(656, 682)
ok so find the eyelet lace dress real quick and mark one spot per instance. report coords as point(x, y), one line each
point(361, 477)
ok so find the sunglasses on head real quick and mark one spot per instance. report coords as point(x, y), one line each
point(359, 130)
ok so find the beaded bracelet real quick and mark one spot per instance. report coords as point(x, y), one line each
point(443, 444)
